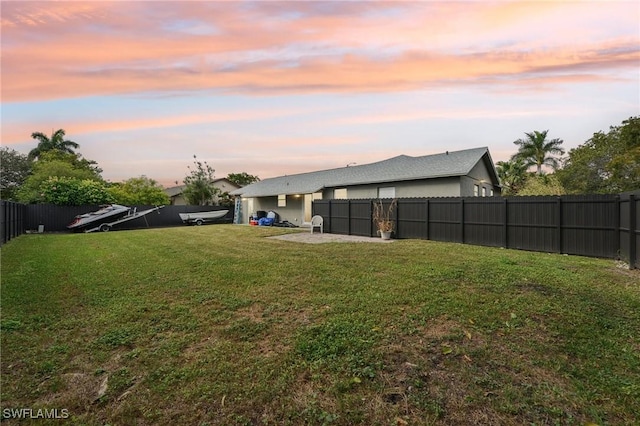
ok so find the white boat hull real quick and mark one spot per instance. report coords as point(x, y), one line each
point(201, 217)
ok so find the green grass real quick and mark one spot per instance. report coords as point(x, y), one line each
point(219, 325)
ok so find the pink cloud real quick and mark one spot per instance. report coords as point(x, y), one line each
point(74, 49)
point(13, 133)
point(349, 73)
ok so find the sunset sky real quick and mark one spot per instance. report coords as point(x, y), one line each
point(272, 88)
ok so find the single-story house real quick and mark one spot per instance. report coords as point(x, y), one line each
point(464, 173)
point(177, 199)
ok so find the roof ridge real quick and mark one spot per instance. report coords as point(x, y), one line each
point(400, 167)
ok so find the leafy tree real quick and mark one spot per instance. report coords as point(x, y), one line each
point(70, 191)
point(513, 175)
point(199, 189)
point(242, 179)
point(56, 142)
point(606, 163)
point(226, 199)
point(74, 159)
point(542, 185)
point(15, 170)
point(139, 191)
point(54, 164)
point(536, 150)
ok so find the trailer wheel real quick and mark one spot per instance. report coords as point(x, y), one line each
point(199, 222)
point(104, 227)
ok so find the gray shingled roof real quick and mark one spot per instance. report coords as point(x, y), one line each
point(400, 168)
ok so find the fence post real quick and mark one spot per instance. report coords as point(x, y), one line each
point(505, 226)
point(632, 232)
point(559, 219)
point(616, 223)
point(371, 226)
point(14, 220)
point(397, 227)
point(427, 217)
point(3, 224)
point(348, 217)
point(462, 220)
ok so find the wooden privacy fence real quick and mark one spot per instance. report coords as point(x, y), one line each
point(591, 225)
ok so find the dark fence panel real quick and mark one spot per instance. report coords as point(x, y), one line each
point(340, 217)
point(360, 212)
point(412, 218)
point(12, 220)
point(54, 218)
point(590, 225)
point(532, 224)
point(625, 234)
point(484, 221)
point(445, 220)
point(628, 230)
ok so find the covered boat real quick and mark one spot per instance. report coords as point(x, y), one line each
point(107, 212)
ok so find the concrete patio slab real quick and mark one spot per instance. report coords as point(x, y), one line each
point(318, 238)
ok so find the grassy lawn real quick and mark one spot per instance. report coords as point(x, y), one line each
point(219, 325)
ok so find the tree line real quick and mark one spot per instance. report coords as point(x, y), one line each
point(607, 163)
point(53, 172)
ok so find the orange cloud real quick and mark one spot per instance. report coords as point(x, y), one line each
point(55, 50)
point(349, 73)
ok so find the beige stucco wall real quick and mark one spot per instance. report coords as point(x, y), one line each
point(480, 176)
point(178, 200)
point(445, 187)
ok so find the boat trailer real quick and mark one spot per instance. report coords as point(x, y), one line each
point(104, 227)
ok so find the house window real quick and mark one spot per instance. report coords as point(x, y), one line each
point(476, 190)
point(340, 193)
point(282, 200)
point(484, 191)
point(387, 192)
point(491, 192)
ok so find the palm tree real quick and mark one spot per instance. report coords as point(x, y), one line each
point(512, 174)
point(56, 142)
point(536, 150)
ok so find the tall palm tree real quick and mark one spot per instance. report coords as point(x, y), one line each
point(56, 142)
point(536, 150)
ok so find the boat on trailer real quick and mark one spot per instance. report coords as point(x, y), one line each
point(198, 218)
point(104, 218)
point(104, 213)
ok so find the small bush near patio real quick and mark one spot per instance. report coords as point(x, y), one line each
point(219, 325)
